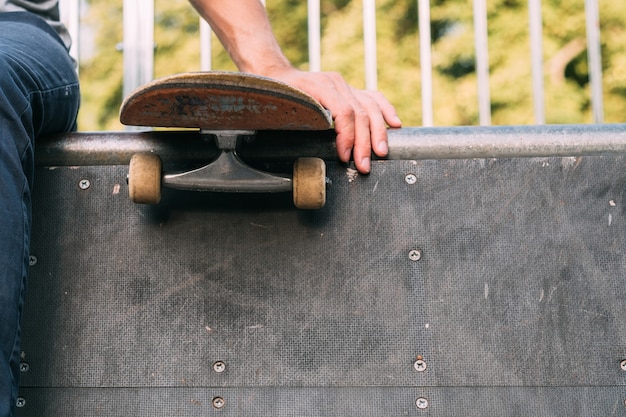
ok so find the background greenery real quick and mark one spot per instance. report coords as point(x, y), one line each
point(454, 78)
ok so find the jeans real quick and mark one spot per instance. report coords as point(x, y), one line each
point(39, 95)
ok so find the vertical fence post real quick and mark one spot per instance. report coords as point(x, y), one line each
point(369, 37)
point(138, 43)
point(70, 16)
point(595, 59)
point(426, 62)
point(315, 33)
point(205, 46)
point(482, 61)
point(536, 53)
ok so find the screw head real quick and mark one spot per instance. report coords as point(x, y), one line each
point(219, 367)
point(32, 260)
point(24, 367)
point(421, 403)
point(410, 179)
point(20, 402)
point(218, 402)
point(84, 184)
point(415, 255)
point(420, 365)
point(622, 365)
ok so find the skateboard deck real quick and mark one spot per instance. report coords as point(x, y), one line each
point(229, 106)
point(223, 101)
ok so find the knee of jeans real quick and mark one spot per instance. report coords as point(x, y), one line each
point(12, 89)
point(17, 133)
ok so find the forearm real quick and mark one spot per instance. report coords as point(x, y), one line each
point(244, 30)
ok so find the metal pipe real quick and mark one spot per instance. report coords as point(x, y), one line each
point(536, 56)
point(369, 38)
point(138, 43)
point(595, 60)
point(482, 61)
point(506, 141)
point(315, 49)
point(426, 62)
point(70, 16)
point(205, 46)
point(116, 148)
point(189, 147)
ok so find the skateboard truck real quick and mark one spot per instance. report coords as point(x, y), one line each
point(228, 173)
point(229, 107)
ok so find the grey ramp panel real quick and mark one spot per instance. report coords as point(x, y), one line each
point(515, 304)
point(316, 401)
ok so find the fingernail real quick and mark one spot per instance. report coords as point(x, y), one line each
point(383, 148)
point(346, 155)
point(397, 120)
point(365, 163)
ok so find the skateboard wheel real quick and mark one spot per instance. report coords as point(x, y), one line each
point(144, 178)
point(309, 183)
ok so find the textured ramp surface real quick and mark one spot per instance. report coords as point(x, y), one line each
point(516, 304)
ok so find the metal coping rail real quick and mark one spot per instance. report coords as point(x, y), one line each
point(414, 143)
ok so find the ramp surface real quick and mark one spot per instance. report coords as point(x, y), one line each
point(505, 277)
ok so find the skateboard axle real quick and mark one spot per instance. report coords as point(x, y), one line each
point(228, 173)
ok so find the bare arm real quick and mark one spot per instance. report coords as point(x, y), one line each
point(360, 116)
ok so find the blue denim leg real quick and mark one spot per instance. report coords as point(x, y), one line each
point(38, 95)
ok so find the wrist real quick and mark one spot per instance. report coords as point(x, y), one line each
point(267, 64)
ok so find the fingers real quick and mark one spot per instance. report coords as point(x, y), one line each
point(362, 127)
point(361, 117)
point(357, 131)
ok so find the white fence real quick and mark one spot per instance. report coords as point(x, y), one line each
point(138, 47)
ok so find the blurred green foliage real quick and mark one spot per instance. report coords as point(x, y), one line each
point(454, 78)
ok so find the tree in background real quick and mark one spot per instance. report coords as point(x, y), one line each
point(454, 76)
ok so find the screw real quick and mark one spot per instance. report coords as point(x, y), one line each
point(218, 402)
point(32, 260)
point(24, 367)
point(410, 179)
point(622, 365)
point(219, 367)
point(84, 184)
point(415, 255)
point(420, 365)
point(21, 402)
point(421, 403)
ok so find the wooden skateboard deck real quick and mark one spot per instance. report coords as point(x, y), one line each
point(223, 101)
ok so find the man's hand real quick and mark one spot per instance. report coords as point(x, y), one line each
point(359, 115)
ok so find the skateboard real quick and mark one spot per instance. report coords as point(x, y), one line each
point(229, 107)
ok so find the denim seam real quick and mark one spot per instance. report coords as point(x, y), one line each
point(15, 375)
point(50, 90)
